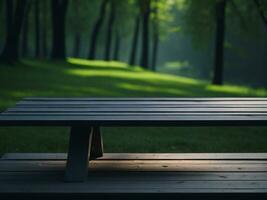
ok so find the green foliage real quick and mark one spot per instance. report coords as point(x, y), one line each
point(162, 16)
point(242, 20)
point(198, 20)
point(82, 14)
point(126, 11)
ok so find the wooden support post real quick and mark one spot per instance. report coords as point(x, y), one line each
point(97, 144)
point(78, 154)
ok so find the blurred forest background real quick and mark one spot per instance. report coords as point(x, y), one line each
point(217, 40)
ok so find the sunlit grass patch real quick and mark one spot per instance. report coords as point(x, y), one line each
point(136, 73)
point(176, 65)
point(154, 89)
point(97, 63)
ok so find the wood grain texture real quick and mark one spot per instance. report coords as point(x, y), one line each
point(138, 162)
point(213, 177)
point(143, 156)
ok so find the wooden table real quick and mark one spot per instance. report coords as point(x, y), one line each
point(85, 116)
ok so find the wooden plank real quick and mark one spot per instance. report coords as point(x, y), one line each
point(128, 184)
point(146, 98)
point(142, 156)
point(240, 177)
point(147, 104)
point(136, 120)
point(78, 154)
point(143, 106)
point(54, 186)
point(125, 165)
point(137, 110)
point(134, 181)
point(34, 156)
point(186, 116)
point(141, 102)
point(141, 176)
point(184, 156)
point(47, 185)
point(130, 114)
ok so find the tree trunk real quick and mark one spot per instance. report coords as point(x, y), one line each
point(110, 30)
point(37, 29)
point(145, 36)
point(59, 10)
point(24, 45)
point(10, 52)
point(8, 21)
point(44, 30)
point(219, 42)
point(77, 45)
point(155, 51)
point(261, 12)
point(9, 7)
point(117, 46)
point(155, 38)
point(96, 29)
point(25, 33)
point(135, 41)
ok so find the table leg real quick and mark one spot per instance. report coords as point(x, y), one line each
point(97, 144)
point(78, 154)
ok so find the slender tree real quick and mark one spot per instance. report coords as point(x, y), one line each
point(261, 12)
point(155, 37)
point(37, 28)
point(116, 52)
point(96, 29)
point(59, 10)
point(9, 8)
point(145, 15)
point(155, 50)
point(15, 14)
point(44, 29)
point(110, 29)
point(77, 44)
point(132, 60)
point(236, 10)
point(219, 42)
point(25, 32)
point(78, 17)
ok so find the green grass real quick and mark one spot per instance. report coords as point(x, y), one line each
point(98, 78)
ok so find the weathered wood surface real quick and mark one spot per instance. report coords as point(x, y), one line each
point(137, 112)
point(30, 175)
point(116, 165)
point(142, 156)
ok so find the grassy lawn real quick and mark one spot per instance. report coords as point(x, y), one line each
point(98, 78)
